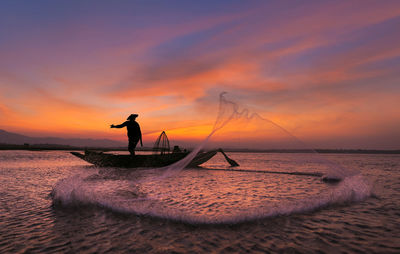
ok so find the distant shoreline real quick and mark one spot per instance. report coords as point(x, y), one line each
point(338, 151)
point(51, 147)
point(54, 147)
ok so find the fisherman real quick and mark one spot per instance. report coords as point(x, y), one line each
point(134, 133)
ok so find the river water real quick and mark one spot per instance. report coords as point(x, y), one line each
point(55, 202)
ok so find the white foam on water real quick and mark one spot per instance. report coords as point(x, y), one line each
point(77, 190)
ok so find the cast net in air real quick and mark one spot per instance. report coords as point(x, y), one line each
point(278, 175)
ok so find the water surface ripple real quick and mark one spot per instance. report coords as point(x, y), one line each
point(53, 202)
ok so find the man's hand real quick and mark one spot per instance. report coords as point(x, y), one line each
point(112, 126)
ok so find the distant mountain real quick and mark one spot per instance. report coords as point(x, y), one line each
point(17, 139)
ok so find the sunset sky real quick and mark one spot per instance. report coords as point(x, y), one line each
point(327, 71)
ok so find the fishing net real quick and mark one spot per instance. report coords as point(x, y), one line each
point(240, 130)
point(278, 174)
point(161, 146)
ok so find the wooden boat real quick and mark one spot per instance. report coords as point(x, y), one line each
point(164, 158)
point(101, 159)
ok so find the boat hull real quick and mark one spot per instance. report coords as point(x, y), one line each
point(101, 159)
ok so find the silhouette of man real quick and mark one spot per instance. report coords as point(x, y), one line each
point(134, 133)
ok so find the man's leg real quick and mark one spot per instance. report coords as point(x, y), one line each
point(132, 146)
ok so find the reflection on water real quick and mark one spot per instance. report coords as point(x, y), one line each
point(101, 210)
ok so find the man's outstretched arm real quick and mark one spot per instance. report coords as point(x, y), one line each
point(118, 126)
